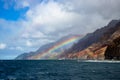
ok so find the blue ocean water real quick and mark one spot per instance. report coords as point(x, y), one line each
point(58, 70)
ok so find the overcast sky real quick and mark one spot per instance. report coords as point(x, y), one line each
point(25, 25)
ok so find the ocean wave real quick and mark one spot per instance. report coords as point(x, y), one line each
point(106, 61)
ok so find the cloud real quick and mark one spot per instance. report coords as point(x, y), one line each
point(33, 34)
point(42, 21)
point(3, 45)
point(28, 43)
point(48, 20)
point(72, 17)
point(17, 48)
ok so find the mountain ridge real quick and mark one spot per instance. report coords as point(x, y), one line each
point(95, 45)
point(97, 48)
point(46, 47)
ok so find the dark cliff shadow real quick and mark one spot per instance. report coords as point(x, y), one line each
point(113, 50)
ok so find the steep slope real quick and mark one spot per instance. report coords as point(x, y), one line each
point(91, 38)
point(113, 49)
point(97, 44)
point(51, 50)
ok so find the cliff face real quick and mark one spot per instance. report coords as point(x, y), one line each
point(95, 51)
point(107, 46)
point(113, 49)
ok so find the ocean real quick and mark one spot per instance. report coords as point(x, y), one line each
point(58, 70)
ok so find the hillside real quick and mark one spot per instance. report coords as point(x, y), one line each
point(101, 44)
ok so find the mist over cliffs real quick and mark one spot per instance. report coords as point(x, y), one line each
point(51, 50)
point(104, 43)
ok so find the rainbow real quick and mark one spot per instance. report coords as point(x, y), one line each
point(55, 47)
